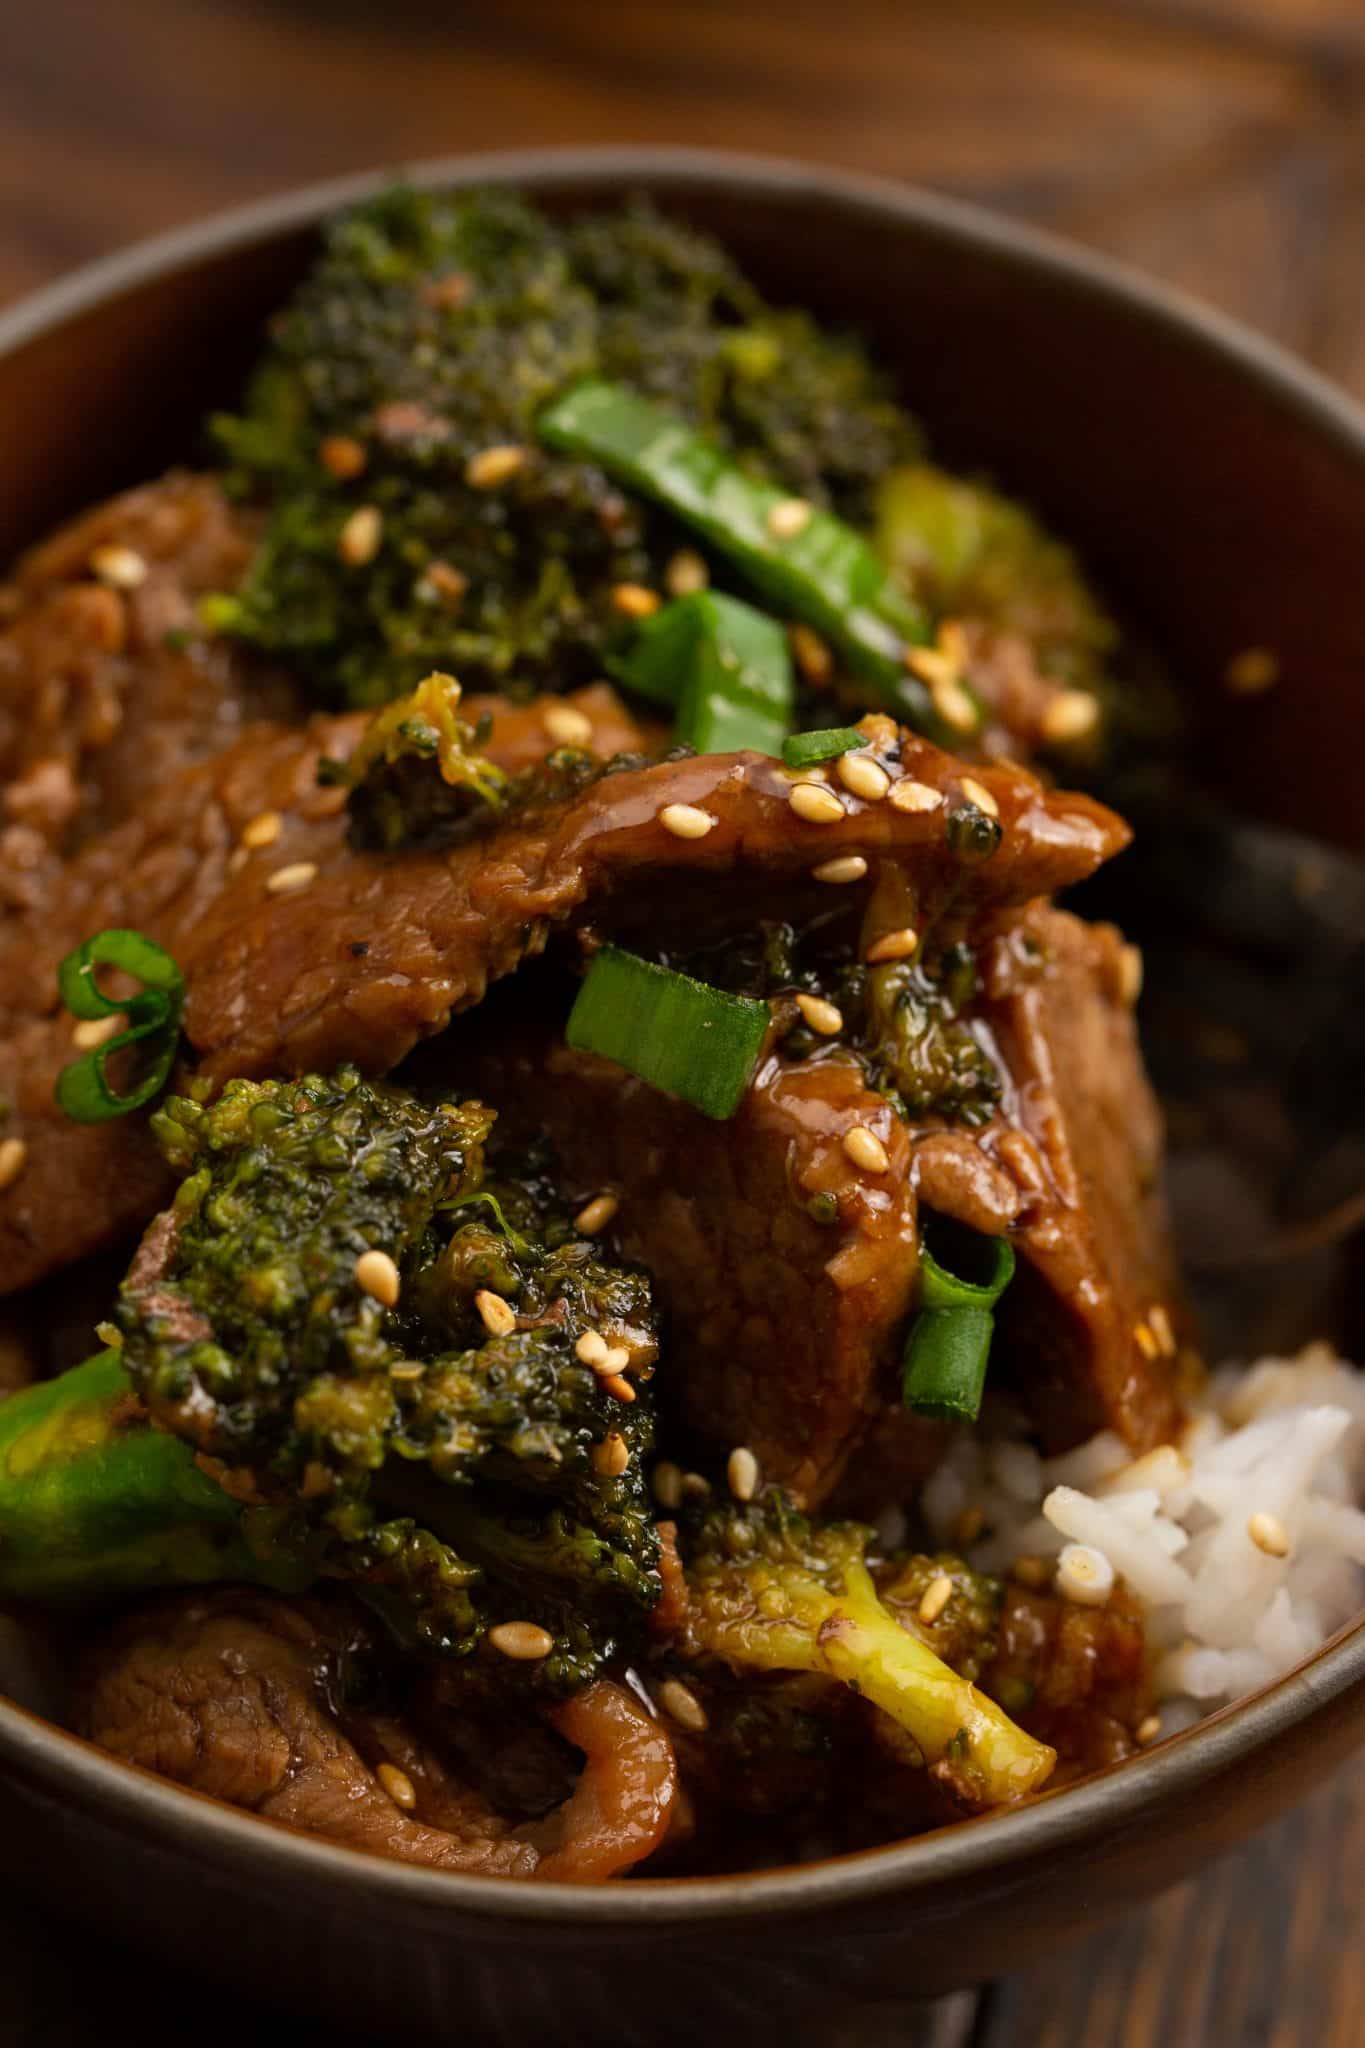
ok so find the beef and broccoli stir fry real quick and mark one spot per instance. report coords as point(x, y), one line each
point(535, 1016)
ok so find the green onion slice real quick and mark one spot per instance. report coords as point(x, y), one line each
point(949, 1345)
point(804, 749)
point(683, 1037)
point(815, 567)
point(724, 666)
point(83, 1089)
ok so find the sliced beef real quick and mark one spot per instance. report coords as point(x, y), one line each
point(791, 1327)
point(242, 1696)
point(276, 983)
point(230, 1695)
point(1094, 1309)
point(108, 684)
point(82, 1186)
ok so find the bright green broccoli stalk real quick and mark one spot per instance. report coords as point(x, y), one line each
point(428, 335)
point(342, 1355)
point(770, 1591)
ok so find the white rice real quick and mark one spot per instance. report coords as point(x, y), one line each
point(1283, 1439)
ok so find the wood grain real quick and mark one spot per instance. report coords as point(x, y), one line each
point(1217, 143)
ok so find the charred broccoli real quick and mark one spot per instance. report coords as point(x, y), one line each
point(770, 1591)
point(403, 383)
point(434, 1390)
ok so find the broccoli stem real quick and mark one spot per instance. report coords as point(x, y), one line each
point(847, 1634)
point(94, 1500)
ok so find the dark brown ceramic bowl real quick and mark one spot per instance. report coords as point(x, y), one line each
point(1220, 488)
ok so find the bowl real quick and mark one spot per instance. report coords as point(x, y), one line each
point(1218, 488)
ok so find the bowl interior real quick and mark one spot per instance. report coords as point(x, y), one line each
point(1219, 492)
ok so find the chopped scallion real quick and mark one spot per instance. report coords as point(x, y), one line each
point(681, 1036)
point(83, 1089)
point(949, 1345)
point(804, 749)
point(725, 666)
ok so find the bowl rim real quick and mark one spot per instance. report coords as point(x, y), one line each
point(1056, 1821)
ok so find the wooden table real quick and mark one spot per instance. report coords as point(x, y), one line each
point(1218, 143)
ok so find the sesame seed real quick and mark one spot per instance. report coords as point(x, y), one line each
point(865, 1149)
point(121, 568)
point(810, 654)
point(741, 1473)
point(864, 776)
point(897, 945)
point(1159, 1323)
point(826, 1018)
point(1130, 975)
point(817, 772)
point(498, 1317)
point(359, 539)
point(970, 1523)
point(1269, 1534)
point(262, 830)
point(954, 706)
point(592, 1349)
point(342, 456)
point(378, 1275)
point(978, 794)
point(1084, 1575)
point(696, 1485)
point(1148, 1730)
point(611, 1457)
point(398, 1785)
point(1146, 1342)
point(788, 518)
point(93, 1031)
point(914, 796)
point(686, 821)
point(816, 803)
point(596, 1215)
point(13, 1156)
point(523, 1641)
point(681, 1704)
point(937, 1594)
point(1251, 672)
point(1019, 1153)
point(444, 582)
point(931, 665)
point(636, 600)
point(1070, 715)
point(1031, 1571)
point(494, 466)
point(237, 860)
point(297, 875)
point(619, 1389)
point(667, 1483)
point(847, 867)
point(567, 727)
point(686, 573)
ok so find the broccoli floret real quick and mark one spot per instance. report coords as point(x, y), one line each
point(771, 1591)
point(907, 1022)
point(431, 331)
point(416, 778)
point(967, 550)
point(449, 1451)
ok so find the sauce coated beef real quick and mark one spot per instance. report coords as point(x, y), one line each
point(162, 870)
point(253, 1700)
point(108, 684)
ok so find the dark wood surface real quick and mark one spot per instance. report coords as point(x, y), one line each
point(1217, 143)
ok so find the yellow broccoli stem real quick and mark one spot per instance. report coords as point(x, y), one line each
point(850, 1636)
